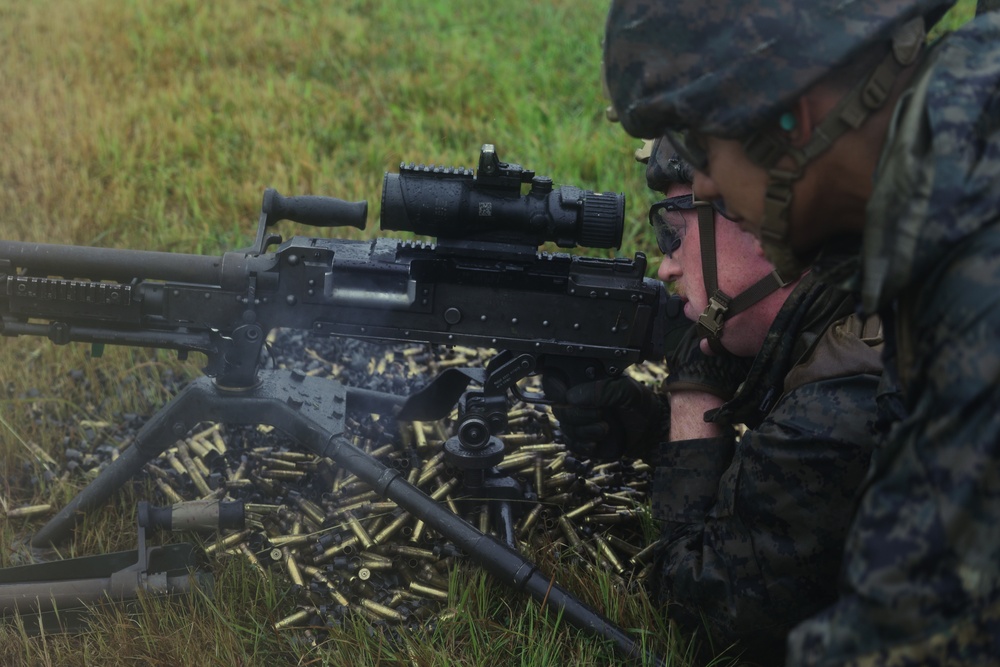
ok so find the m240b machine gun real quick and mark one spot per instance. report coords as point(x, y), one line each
point(482, 284)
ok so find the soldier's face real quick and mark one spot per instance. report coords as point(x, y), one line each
point(730, 175)
point(740, 264)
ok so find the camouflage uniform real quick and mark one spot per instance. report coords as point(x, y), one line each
point(921, 584)
point(753, 531)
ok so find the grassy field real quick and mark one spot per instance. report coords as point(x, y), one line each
point(158, 124)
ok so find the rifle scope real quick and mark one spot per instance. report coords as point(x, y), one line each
point(453, 203)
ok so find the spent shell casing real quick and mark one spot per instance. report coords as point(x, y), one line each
point(644, 555)
point(609, 519)
point(290, 540)
point(586, 508)
point(428, 591)
point(545, 448)
point(428, 474)
point(484, 519)
point(198, 447)
point(359, 531)
point(392, 528)
point(278, 464)
point(294, 572)
point(414, 552)
point(310, 509)
point(347, 546)
point(240, 471)
point(228, 541)
point(298, 618)
point(197, 478)
point(605, 549)
point(168, 491)
point(560, 480)
point(517, 461)
point(444, 489)
point(177, 466)
point(30, 510)
point(418, 531)
point(251, 558)
point(621, 545)
point(365, 496)
point(292, 455)
point(384, 450)
point(419, 436)
point(283, 475)
point(317, 574)
point(219, 443)
point(530, 519)
point(516, 440)
point(557, 463)
point(261, 508)
point(381, 610)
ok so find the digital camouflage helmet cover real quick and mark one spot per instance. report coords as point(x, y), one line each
point(729, 69)
point(726, 67)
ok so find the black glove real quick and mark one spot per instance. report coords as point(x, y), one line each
point(690, 369)
point(611, 418)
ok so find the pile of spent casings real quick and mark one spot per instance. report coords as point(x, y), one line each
point(343, 550)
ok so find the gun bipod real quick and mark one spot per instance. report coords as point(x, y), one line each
point(312, 411)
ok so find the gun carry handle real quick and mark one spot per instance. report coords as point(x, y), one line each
point(314, 210)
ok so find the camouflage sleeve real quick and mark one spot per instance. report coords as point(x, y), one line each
point(922, 566)
point(753, 531)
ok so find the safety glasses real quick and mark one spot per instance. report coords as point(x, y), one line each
point(668, 223)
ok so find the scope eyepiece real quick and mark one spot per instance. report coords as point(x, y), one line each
point(455, 203)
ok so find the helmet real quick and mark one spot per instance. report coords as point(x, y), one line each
point(727, 67)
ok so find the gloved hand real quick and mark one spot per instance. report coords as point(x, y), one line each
point(611, 418)
point(690, 369)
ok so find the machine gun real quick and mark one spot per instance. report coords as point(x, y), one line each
point(482, 284)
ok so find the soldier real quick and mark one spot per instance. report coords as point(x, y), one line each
point(752, 528)
point(814, 119)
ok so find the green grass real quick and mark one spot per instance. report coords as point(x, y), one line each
point(158, 124)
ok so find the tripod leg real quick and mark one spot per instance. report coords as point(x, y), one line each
point(159, 433)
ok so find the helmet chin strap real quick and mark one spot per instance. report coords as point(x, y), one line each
point(721, 306)
point(850, 113)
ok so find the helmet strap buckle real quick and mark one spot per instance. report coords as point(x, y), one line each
point(711, 320)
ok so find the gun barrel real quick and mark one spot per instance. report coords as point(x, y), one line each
point(112, 263)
